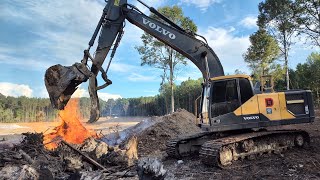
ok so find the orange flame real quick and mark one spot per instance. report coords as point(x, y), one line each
point(71, 129)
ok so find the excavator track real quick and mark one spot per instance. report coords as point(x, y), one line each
point(182, 146)
point(223, 152)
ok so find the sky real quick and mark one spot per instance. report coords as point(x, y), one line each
point(36, 34)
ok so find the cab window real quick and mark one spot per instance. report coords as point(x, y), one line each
point(224, 97)
point(224, 91)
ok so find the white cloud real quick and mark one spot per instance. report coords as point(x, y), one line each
point(202, 4)
point(228, 47)
point(80, 93)
point(23, 63)
point(102, 95)
point(15, 90)
point(62, 29)
point(249, 22)
point(43, 93)
point(123, 67)
point(191, 75)
point(106, 96)
point(138, 77)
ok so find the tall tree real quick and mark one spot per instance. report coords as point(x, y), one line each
point(262, 53)
point(157, 54)
point(125, 105)
point(309, 75)
point(165, 91)
point(278, 17)
point(238, 71)
point(308, 19)
point(110, 105)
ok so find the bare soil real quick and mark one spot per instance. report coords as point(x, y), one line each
point(152, 141)
point(105, 125)
point(292, 164)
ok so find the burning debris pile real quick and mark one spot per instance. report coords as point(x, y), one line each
point(73, 152)
point(31, 160)
point(71, 129)
point(70, 150)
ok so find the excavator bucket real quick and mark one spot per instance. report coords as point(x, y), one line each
point(62, 81)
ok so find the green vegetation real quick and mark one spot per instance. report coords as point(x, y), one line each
point(278, 17)
point(278, 21)
point(155, 53)
point(286, 21)
point(307, 76)
point(23, 109)
point(307, 19)
point(262, 53)
point(185, 95)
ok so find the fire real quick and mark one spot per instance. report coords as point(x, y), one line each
point(71, 129)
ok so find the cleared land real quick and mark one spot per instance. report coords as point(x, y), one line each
point(291, 164)
point(105, 125)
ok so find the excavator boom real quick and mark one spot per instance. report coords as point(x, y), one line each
point(61, 81)
point(231, 113)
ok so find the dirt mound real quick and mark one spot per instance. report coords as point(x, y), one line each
point(152, 140)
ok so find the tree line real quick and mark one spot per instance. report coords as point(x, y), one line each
point(281, 24)
point(159, 55)
point(24, 109)
point(306, 76)
point(185, 95)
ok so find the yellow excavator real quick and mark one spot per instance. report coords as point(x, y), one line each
point(233, 113)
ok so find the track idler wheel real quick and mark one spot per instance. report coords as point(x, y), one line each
point(299, 140)
point(225, 156)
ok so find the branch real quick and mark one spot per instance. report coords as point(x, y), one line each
point(312, 30)
point(85, 156)
point(310, 12)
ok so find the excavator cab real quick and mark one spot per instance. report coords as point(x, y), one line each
point(231, 103)
point(229, 93)
point(223, 95)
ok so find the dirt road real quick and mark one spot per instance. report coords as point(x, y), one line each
point(104, 126)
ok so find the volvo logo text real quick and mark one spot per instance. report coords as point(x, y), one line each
point(158, 28)
point(251, 118)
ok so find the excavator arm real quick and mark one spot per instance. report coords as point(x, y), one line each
point(61, 81)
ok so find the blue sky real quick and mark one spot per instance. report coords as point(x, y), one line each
point(36, 34)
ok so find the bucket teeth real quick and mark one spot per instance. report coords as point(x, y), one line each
point(62, 81)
